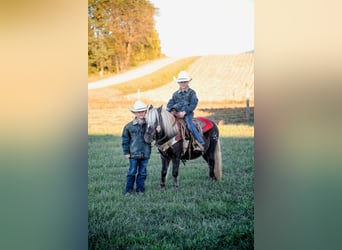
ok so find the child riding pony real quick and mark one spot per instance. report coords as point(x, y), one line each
point(174, 145)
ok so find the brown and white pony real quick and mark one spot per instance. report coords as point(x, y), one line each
point(173, 146)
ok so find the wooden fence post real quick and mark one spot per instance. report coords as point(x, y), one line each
point(247, 103)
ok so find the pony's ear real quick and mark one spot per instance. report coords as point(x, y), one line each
point(150, 107)
point(159, 109)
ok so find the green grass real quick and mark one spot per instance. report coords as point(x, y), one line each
point(229, 115)
point(201, 214)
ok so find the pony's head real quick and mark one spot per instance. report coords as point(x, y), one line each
point(152, 120)
point(159, 116)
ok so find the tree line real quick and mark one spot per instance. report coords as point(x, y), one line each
point(121, 33)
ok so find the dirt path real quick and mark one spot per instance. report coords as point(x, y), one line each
point(132, 74)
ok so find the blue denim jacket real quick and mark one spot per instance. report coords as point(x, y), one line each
point(183, 101)
point(133, 142)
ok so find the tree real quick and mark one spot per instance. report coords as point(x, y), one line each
point(121, 33)
point(97, 49)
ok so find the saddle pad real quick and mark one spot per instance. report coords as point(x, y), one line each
point(206, 124)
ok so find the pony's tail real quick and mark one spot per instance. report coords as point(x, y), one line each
point(218, 162)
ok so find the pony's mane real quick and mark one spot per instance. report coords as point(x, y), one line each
point(167, 119)
point(169, 123)
point(152, 117)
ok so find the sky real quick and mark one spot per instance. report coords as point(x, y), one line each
point(203, 27)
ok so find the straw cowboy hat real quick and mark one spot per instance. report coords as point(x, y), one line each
point(138, 107)
point(183, 76)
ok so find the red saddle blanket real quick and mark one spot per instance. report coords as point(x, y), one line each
point(205, 124)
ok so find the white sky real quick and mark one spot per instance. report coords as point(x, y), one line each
point(202, 27)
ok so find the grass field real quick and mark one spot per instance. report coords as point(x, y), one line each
point(201, 213)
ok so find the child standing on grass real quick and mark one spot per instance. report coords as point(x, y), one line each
point(136, 150)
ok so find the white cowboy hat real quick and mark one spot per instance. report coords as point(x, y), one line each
point(183, 76)
point(138, 107)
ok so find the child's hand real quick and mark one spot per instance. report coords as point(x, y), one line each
point(158, 128)
point(127, 156)
point(181, 114)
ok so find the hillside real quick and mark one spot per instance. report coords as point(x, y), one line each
point(215, 78)
point(221, 82)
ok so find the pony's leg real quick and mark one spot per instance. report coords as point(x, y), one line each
point(209, 157)
point(213, 154)
point(165, 166)
point(176, 158)
point(211, 163)
point(175, 167)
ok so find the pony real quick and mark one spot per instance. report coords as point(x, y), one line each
point(173, 145)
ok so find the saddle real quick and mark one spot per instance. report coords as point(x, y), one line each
point(202, 124)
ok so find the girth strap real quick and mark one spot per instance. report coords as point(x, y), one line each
point(167, 144)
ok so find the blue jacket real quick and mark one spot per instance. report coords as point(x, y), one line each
point(133, 142)
point(183, 101)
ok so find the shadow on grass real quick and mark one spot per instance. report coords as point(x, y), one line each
point(230, 115)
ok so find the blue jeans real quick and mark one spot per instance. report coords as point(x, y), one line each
point(140, 166)
point(193, 129)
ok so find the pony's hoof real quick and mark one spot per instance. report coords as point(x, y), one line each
point(212, 178)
